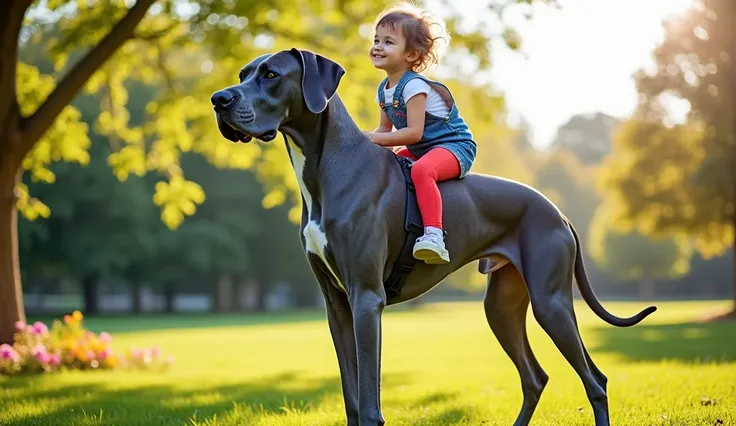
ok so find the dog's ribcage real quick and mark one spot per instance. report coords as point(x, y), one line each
point(315, 238)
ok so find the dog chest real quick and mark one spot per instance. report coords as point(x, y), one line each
point(315, 238)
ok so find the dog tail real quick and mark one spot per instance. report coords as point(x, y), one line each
point(586, 291)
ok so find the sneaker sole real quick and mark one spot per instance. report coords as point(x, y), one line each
point(429, 256)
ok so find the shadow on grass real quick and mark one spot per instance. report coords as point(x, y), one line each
point(98, 404)
point(689, 342)
point(164, 405)
point(453, 415)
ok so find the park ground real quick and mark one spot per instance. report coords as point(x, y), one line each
point(441, 366)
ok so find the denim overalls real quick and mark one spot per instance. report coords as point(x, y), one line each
point(450, 132)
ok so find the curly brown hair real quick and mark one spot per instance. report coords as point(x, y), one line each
point(422, 29)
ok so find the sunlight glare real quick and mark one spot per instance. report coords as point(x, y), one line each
point(580, 59)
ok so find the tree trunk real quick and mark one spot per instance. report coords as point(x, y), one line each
point(169, 294)
point(136, 290)
point(262, 294)
point(646, 288)
point(733, 254)
point(91, 293)
point(223, 293)
point(11, 292)
point(732, 65)
point(17, 136)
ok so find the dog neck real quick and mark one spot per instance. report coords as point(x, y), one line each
point(328, 152)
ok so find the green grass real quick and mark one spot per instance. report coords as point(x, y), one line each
point(441, 366)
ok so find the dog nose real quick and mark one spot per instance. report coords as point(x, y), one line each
point(222, 98)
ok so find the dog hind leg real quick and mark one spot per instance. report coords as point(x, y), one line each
point(506, 304)
point(549, 283)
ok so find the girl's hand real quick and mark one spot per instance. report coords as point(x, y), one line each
point(371, 136)
point(368, 134)
point(408, 135)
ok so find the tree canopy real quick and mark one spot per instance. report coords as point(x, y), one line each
point(185, 50)
point(188, 50)
point(676, 177)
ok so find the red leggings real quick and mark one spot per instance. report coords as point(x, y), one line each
point(436, 165)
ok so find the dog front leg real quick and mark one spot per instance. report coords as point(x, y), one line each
point(367, 307)
point(340, 321)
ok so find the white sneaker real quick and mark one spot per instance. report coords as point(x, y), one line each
point(430, 247)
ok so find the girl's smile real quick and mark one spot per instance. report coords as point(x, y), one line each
point(388, 51)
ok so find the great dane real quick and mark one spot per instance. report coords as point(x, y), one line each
point(353, 194)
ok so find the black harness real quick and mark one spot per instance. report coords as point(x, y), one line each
point(414, 228)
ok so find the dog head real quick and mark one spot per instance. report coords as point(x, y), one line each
point(272, 89)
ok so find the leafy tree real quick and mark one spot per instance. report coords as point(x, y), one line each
point(99, 46)
point(633, 256)
point(677, 178)
point(588, 136)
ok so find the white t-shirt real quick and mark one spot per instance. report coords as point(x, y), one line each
point(434, 104)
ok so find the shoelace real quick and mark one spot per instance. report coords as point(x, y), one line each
point(431, 237)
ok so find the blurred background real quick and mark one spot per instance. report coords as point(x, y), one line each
point(131, 202)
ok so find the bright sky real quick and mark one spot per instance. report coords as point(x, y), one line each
point(580, 59)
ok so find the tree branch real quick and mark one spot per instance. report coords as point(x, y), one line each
point(161, 65)
point(36, 125)
point(155, 35)
point(11, 23)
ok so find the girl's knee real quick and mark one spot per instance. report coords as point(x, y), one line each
point(423, 171)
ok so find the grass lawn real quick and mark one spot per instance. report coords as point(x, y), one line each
point(441, 366)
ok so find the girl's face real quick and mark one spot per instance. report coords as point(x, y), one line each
point(389, 52)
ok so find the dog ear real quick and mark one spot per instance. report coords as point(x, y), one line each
point(320, 79)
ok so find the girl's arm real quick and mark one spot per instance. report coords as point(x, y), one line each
point(414, 129)
point(385, 125)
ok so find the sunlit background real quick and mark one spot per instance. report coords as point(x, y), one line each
point(136, 218)
point(578, 58)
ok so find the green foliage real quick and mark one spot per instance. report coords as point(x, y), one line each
point(66, 140)
point(633, 255)
point(669, 178)
point(588, 136)
point(187, 50)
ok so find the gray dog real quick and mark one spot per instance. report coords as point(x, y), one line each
point(354, 198)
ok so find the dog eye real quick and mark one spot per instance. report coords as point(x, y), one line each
point(271, 75)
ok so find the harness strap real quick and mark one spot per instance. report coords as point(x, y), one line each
point(414, 228)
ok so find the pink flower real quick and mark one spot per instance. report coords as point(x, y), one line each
point(37, 350)
point(40, 328)
point(7, 352)
point(43, 357)
point(20, 325)
point(91, 354)
point(29, 329)
point(104, 354)
point(105, 337)
point(136, 353)
point(55, 359)
point(155, 351)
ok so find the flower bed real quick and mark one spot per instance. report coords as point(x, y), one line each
point(68, 345)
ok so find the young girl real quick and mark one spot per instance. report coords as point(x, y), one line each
point(428, 125)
